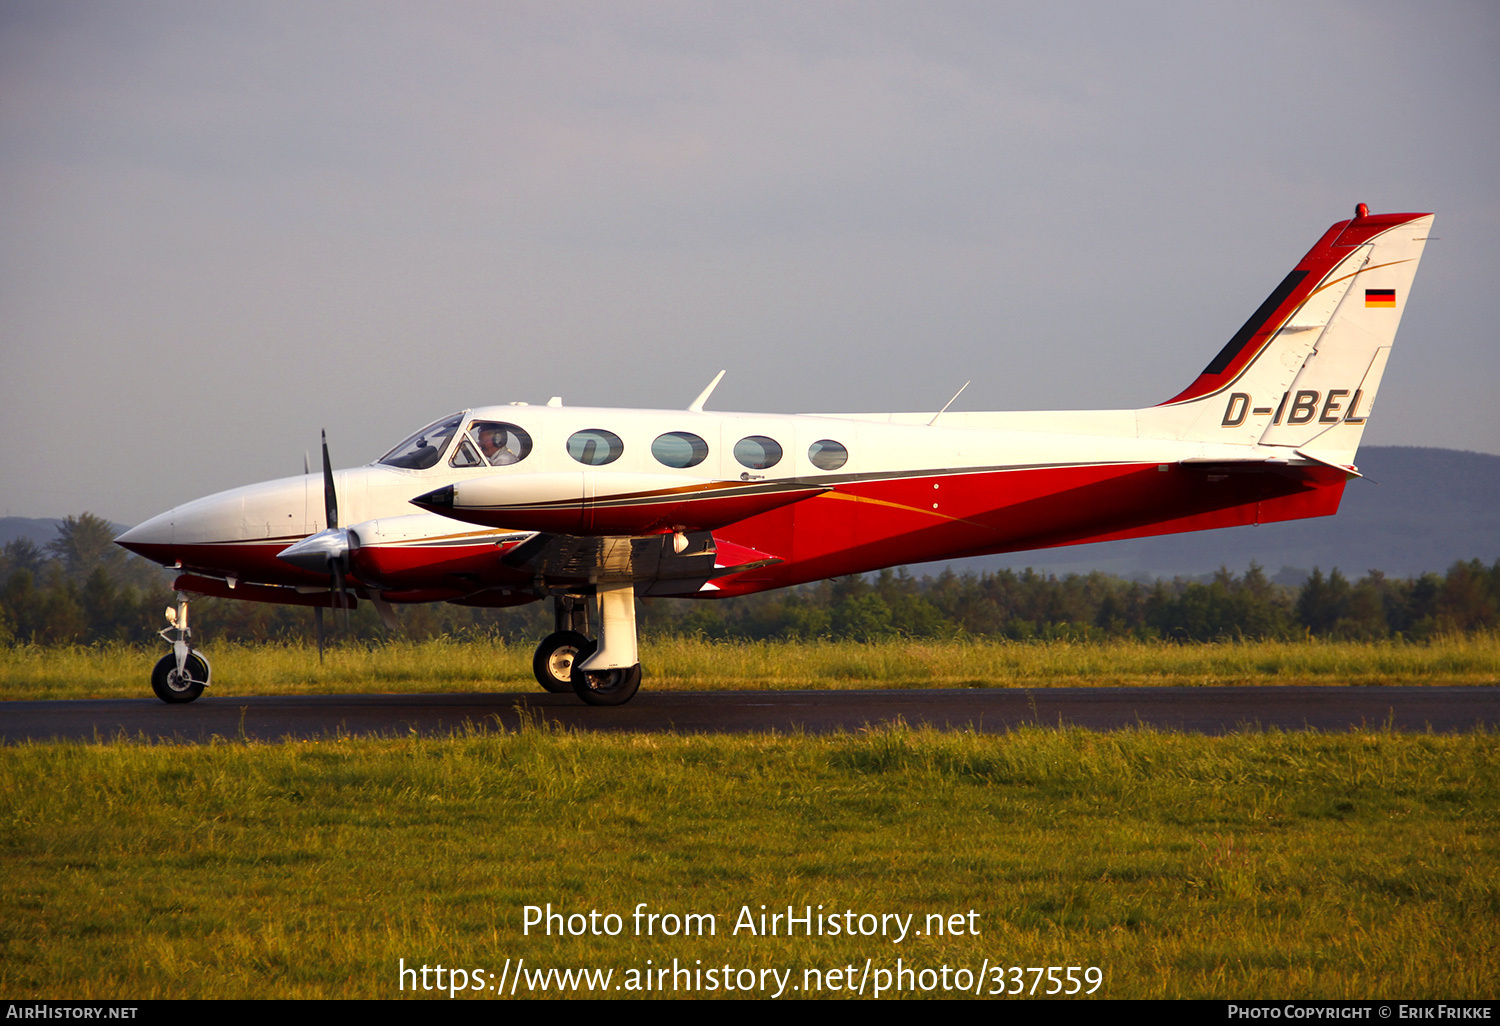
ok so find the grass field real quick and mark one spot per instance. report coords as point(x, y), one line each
point(32, 672)
point(1260, 864)
point(1251, 865)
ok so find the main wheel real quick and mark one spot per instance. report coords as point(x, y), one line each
point(553, 662)
point(175, 686)
point(604, 687)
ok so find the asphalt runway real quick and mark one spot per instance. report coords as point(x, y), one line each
point(1209, 710)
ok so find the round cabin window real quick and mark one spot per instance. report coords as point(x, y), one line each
point(595, 446)
point(757, 452)
point(826, 454)
point(679, 449)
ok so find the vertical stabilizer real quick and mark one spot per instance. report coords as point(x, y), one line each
point(1303, 371)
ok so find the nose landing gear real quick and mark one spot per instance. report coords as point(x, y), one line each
point(182, 674)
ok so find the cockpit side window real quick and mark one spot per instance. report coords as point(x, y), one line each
point(499, 443)
point(425, 448)
point(464, 455)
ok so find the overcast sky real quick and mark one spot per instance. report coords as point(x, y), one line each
point(224, 226)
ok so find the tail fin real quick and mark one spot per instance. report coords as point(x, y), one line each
point(1303, 371)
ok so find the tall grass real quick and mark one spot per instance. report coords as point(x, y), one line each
point(34, 672)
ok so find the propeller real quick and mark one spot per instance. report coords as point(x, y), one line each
point(338, 561)
point(327, 551)
point(317, 610)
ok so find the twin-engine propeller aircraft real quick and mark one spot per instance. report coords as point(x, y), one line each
point(596, 507)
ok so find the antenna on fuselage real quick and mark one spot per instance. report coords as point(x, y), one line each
point(696, 406)
point(947, 404)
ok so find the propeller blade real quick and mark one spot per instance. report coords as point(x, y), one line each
point(387, 613)
point(318, 625)
point(330, 497)
point(336, 572)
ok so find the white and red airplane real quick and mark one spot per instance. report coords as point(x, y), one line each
point(502, 505)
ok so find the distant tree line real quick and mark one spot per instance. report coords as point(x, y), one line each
point(82, 588)
point(1029, 605)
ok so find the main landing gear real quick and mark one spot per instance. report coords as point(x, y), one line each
point(182, 674)
point(602, 672)
point(553, 662)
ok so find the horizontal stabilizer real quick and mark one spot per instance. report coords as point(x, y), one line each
point(1347, 468)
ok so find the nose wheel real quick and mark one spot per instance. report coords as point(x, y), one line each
point(176, 685)
point(182, 674)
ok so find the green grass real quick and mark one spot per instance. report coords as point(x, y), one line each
point(118, 671)
point(1252, 865)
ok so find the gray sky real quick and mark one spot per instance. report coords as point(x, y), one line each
point(226, 225)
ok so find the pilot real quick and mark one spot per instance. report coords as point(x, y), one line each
point(492, 439)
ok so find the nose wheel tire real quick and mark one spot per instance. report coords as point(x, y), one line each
point(176, 686)
point(604, 687)
point(553, 662)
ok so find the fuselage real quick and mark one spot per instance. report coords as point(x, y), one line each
point(803, 496)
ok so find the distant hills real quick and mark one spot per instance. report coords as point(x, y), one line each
point(1416, 510)
point(40, 530)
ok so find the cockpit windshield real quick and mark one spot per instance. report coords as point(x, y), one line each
point(425, 448)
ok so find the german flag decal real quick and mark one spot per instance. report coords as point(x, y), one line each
point(1381, 297)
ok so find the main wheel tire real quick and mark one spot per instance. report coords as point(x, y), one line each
point(553, 663)
point(604, 687)
point(174, 686)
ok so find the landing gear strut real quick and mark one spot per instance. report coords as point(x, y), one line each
point(182, 674)
point(609, 673)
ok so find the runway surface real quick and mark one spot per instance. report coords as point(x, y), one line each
point(1211, 710)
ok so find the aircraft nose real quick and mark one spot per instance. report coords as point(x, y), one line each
point(151, 538)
